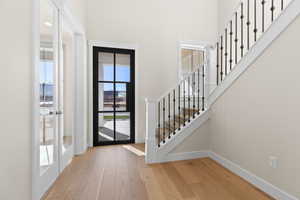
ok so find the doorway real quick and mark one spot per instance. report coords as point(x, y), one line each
point(49, 95)
point(55, 91)
point(113, 96)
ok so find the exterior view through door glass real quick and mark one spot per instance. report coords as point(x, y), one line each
point(48, 65)
point(56, 66)
point(113, 96)
point(66, 100)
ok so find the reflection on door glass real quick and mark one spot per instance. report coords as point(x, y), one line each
point(106, 67)
point(66, 104)
point(106, 127)
point(123, 67)
point(121, 97)
point(122, 126)
point(46, 68)
point(106, 96)
point(46, 141)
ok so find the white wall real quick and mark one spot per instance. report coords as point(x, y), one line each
point(225, 10)
point(78, 9)
point(156, 27)
point(198, 141)
point(15, 99)
point(15, 103)
point(258, 116)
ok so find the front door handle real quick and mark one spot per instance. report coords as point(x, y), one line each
point(59, 112)
point(51, 113)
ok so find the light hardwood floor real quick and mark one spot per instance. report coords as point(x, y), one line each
point(115, 173)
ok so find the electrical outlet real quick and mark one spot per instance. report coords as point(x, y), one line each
point(273, 161)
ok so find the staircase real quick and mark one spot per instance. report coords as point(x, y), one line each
point(250, 30)
point(180, 105)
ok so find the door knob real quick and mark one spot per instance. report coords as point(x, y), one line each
point(59, 112)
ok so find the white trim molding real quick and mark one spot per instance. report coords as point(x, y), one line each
point(258, 182)
point(184, 156)
point(253, 179)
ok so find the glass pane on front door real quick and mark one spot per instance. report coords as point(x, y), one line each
point(106, 96)
point(106, 127)
point(122, 126)
point(106, 66)
point(121, 97)
point(123, 67)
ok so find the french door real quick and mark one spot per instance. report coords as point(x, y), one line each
point(49, 96)
point(56, 84)
point(113, 77)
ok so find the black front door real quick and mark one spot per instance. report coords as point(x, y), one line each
point(113, 76)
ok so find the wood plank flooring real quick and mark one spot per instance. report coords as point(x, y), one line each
point(115, 173)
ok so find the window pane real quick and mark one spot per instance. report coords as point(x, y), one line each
point(106, 127)
point(191, 60)
point(122, 126)
point(106, 66)
point(121, 97)
point(66, 87)
point(123, 67)
point(106, 97)
point(47, 68)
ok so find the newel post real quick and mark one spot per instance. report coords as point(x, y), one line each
point(151, 143)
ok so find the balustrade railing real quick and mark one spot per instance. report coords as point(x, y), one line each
point(182, 104)
point(177, 108)
point(237, 38)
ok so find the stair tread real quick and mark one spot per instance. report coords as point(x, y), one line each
point(179, 121)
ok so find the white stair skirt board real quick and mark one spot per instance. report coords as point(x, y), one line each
point(290, 13)
point(181, 135)
point(134, 150)
point(258, 182)
point(184, 156)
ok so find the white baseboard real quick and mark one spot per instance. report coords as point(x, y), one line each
point(258, 182)
point(183, 156)
point(139, 140)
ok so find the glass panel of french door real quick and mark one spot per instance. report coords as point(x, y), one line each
point(114, 99)
point(66, 104)
point(48, 89)
point(48, 96)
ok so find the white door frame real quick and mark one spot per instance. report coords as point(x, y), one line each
point(207, 48)
point(80, 103)
point(193, 45)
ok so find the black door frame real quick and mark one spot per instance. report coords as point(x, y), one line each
point(131, 94)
